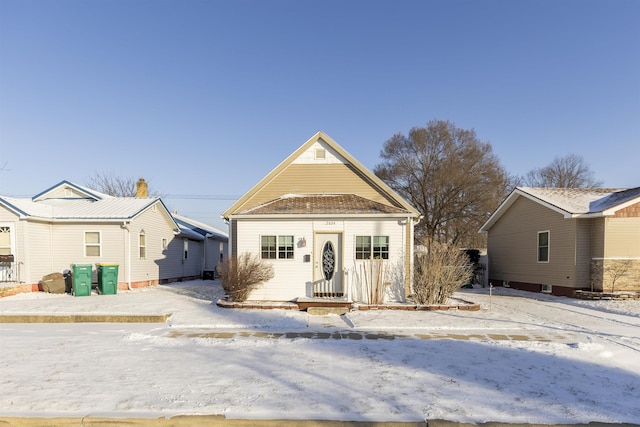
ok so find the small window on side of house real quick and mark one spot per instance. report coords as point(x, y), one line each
point(543, 246)
point(92, 246)
point(142, 245)
point(185, 245)
point(164, 243)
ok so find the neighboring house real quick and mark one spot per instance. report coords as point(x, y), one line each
point(322, 220)
point(558, 240)
point(215, 242)
point(70, 224)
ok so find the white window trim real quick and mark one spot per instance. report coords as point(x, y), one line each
point(546, 289)
point(548, 246)
point(99, 245)
point(371, 242)
point(277, 236)
point(140, 245)
point(164, 243)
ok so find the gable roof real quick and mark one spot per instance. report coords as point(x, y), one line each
point(91, 206)
point(368, 176)
point(84, 191)
point(571, 202)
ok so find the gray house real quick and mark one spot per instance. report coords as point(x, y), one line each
point(71, 224)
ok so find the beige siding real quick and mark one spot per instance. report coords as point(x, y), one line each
point(327, 179)
point(622, 237)
point(583, 252)
point(512, 246)
point(597, 238)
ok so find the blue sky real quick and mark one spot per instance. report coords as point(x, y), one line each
point(204, 98)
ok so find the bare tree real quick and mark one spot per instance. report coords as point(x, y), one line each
point(570, 171)
point(117, 186)
point(450, 176)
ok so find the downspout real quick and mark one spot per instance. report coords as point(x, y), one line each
point(127, 252)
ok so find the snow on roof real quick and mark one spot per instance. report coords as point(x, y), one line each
point(570, 202)
point(111, 208)
point(199, 227)
point(583, 200)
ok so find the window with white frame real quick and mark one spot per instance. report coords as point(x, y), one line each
point(276, 247)
point(164, 243)
point(5, 240)
point(185, 246)
point(142, 245)
point(372, 247)
point(92, 243)
point(543, 246)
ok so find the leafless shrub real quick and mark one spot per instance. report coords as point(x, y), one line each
point(239, 276)
point(439, 273)
point(608, 272)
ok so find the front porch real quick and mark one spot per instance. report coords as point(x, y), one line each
point(336, 305)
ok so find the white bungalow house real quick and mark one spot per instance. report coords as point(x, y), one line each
point(71, 224)
point(328, 226)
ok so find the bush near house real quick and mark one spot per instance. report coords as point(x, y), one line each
point(239, 276)
point(439, 273)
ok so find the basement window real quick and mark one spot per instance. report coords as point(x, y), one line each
point(546, 289)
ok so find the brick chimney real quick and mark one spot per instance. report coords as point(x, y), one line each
point(141, 188)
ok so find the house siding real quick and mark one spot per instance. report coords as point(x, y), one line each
point(597, 238)
point(332, 178)
point(632, 211)
point(512, 245)
point(622, 251)
point(622, 237)
point(158, 265)
point(583, 252)
point(294, 278)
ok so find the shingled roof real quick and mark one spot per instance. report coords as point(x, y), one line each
point(571, 202)
point(318, 204)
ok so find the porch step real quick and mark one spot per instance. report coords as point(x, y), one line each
point(325, 303)
point(323, 311)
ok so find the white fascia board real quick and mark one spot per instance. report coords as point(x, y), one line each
point(320, 216)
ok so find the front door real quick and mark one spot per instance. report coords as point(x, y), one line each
point(328, 265)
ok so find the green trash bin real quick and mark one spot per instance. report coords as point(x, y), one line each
point(81, 280)
point(107, 279)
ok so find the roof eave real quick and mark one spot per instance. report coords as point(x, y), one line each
point(322, 216)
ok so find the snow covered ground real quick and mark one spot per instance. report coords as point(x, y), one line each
point(526, 358)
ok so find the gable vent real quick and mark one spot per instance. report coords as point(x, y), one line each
point(321, 154)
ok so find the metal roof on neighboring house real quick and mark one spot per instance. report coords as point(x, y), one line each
point(199, 227)
point(320, 204)
point(80, 209)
